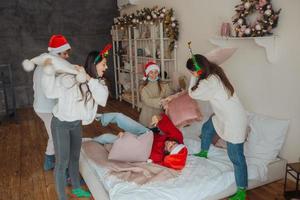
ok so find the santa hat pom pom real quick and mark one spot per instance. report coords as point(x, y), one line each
point(81, 77)
point(28, 65)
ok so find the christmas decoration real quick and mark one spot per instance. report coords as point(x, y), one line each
point(267, 20)
point(103, 53)
point(151, 16)
point(198, 68)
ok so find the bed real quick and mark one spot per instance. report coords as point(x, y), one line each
point(208, 179)
point(211, 178)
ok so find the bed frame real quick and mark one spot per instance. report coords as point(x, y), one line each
point(276, 171)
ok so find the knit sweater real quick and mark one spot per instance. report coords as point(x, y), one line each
point(41, 104)
point(70, 106)
point(230, 117)
point(151, 97)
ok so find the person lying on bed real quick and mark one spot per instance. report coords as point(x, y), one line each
point(167, 149)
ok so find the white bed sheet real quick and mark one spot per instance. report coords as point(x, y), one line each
point(199, 179)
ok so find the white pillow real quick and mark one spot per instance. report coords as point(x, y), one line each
point(220, 55)
point(266, 137)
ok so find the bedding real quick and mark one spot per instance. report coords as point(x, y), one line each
point(198, 180)
point(137, 172)
point(207, 179)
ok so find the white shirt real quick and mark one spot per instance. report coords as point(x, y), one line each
point(230, 119)
point(70, 106)
point(41, 104)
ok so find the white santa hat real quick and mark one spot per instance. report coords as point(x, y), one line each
point(149, 67)
point(58, 44)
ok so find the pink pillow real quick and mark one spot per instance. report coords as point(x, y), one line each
point(132, 148)
point(183, 110)
point(220, 55)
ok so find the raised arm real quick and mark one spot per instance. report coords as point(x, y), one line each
point(99, 91)
point(167, 126)
point(51, 85)
point(206, 88)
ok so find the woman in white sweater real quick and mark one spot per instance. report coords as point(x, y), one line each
point(43, 106)
point(209, 83)
point(76, 106)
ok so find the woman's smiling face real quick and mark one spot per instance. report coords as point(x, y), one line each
point(101, 67)
point(153, 74)
point(170, 145)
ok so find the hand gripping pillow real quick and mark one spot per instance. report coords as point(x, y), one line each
point(132, 148)
point(183, 110)
point(58, 65)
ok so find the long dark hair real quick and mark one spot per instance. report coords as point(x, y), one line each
point(208, 69)
point(90, 69)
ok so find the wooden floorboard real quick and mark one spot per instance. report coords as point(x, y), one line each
point(22, 146)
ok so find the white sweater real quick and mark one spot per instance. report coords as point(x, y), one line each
point(41, 104)
point(70, 107)
point(230, 119)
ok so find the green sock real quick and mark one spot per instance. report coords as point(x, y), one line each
point(202, 154)
point(239, 195)
point(81, 193)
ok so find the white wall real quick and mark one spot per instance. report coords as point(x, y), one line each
point(270, 89)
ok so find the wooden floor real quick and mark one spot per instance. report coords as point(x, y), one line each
point(22, 147)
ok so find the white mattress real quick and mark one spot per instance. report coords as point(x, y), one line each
point(211, 178)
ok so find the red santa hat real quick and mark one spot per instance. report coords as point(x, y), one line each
point(58, 44)
point(177, 158)
point(149, 67)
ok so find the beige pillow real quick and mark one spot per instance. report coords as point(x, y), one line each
point(132, 148)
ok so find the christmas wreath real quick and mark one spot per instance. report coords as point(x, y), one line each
point(152, 16)
point(267, 20)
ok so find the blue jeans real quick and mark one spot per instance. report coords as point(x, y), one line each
point(123, 122)
point(234, 151)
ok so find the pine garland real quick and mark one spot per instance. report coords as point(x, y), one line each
point(153, 15)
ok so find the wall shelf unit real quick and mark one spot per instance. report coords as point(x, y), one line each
point(267, 42)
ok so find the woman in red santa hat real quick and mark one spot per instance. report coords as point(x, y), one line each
point(43, 106)
point(152, 93)
point(76, 106)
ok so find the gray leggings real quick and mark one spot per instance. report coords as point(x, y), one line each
point(67, 144)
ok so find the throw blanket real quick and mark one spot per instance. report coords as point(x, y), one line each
point(138, 172)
